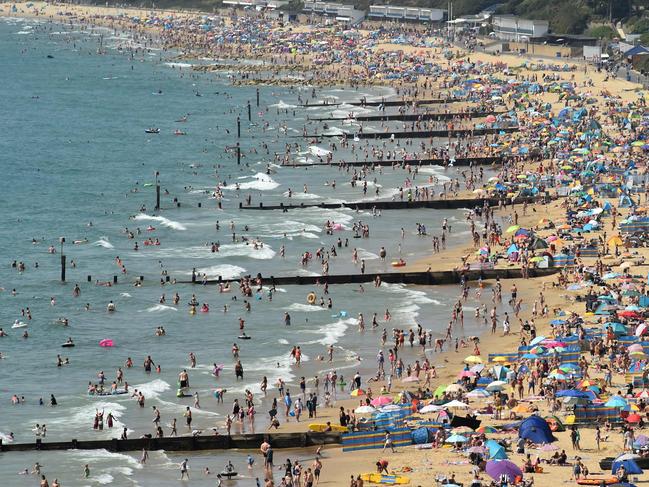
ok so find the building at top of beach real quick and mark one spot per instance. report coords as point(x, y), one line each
point(406, 14)
point(342, 13)
point(512, 28)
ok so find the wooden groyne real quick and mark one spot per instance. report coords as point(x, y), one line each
point(418, 134)
point(460, 161)
point(408, 117)
point(387, 103)
point(443, 204)
point(422, 278)
point(184, 443)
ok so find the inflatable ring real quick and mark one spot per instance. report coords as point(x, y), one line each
point(310, 298)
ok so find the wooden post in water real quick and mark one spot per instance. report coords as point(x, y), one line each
point(238, 153)
point(238, 127)
point(157, 191)
point(62, 240)
point(257, 96)
point(250, 112)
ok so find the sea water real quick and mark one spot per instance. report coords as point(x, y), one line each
point(78, 164)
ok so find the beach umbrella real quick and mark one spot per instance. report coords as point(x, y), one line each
point(381, 401)
point(641, 440)
point(478, 394)
point(477, 368)
point(499, 372)
point(616, 402)
point(431, 408)
point(615, 241)
point(633, 418)
point(496, 450)
point(635, 347)
point(642, 329)
point(390, 408)
point(486, 430)
point(439, 391)
point(473, 359)
point(521, 409)
point(500, 359)
point(357, 392)
point(452, 388)
point(455, 404)
point(537, 340)
point(496, 469)
point(364, 410)
point(497, 385)
point(513, 228)
point(456, 439)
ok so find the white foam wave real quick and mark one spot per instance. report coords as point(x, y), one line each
point(261, 182)
point(103, 242)
point(282, 106)
point(101, 455)
point(303, 196)
point(305, 308)
point(75, 416)
point(226, 271)
point(163, 221)
point(179, 65)
point(318, 151)
point(242, 249)
point(152, 389)
point(160, 308)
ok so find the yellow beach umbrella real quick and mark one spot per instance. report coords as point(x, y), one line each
point(473, 359)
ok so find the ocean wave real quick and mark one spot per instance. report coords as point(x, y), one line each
point(165, 222)
point(318, 151)
point(281, 105)
point(261, 182)
point(178, 65)
point(305, 308)
point(103, 242)
point(160, 307)
point(226, 271)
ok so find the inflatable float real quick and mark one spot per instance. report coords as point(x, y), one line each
point(310, 298)
point(398, 263)
point(320, 427)
point(377, 478)
point(227, 474)
point(67, 344)
point(598, 481)
point(106, 343)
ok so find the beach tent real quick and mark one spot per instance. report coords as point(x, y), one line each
point(629, 464)
point(537, 430)
point(423, 435)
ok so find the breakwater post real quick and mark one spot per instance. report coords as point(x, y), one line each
point(157, 191)
point(62, 240)
point(257, 96)
point(238, 127)
point(249, 112)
